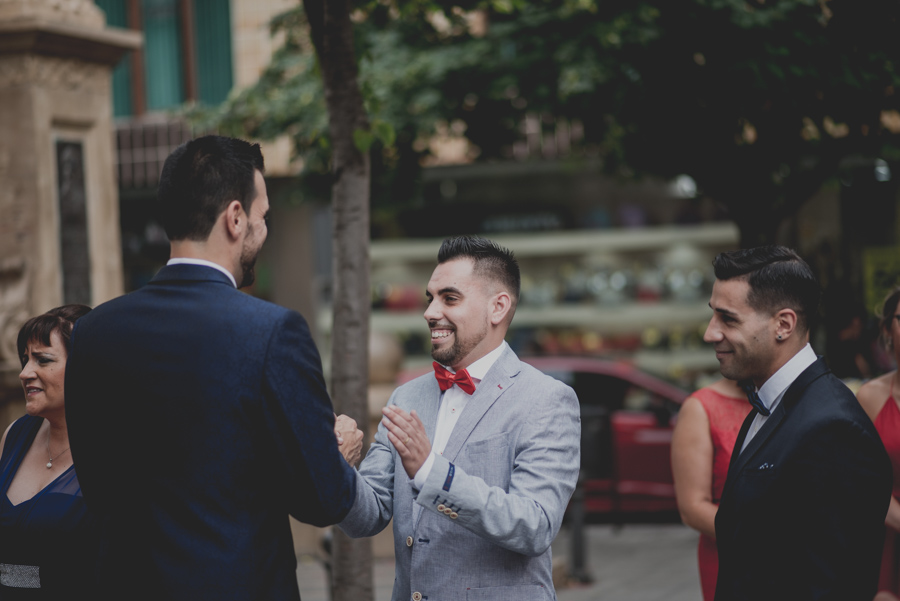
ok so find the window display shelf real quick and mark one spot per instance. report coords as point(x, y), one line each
point(656, 318)
point(618, 319)
point(580, 242)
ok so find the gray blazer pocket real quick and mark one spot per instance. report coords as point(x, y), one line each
point(488, 459)
point(521, 592)
point(491, 444)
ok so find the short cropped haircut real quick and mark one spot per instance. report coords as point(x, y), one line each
point(39, 329)
point(200, 178)
point(778, 279)
point(492, 261)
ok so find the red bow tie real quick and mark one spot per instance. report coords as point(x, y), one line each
point(446, 379)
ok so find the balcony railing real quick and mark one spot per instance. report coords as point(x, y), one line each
point(142, 146)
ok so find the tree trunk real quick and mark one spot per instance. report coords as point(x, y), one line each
point(332, 34)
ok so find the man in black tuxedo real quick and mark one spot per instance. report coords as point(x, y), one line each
point(198, 414)
point(802, 513)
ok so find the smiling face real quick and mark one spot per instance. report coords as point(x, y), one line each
point(43, 377)
point(743, 338)
point(459, 314)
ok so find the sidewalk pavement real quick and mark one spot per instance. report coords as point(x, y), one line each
point(635, 562)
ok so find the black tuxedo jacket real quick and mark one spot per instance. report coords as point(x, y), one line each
point(802, 512)
point(199, 420)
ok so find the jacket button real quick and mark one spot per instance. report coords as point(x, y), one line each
point(447, 511)
point(417, 596)
point(454, 515)
point(409, 541)
point(441, 507)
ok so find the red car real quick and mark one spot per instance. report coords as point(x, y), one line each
point(627, 417)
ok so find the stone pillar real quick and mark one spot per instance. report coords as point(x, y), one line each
point(59, 213)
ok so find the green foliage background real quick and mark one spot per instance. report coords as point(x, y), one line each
point(759, 101)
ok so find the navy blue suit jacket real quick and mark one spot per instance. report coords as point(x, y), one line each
point(802, 512)
point(199, 419)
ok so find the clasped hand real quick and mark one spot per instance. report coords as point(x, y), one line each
point(349, 438)
point(407, 433)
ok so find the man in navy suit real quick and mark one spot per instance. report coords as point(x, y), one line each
point(198, 414)
point(802, 513)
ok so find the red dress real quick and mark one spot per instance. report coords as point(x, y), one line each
point(887, 422)
point(726, 415)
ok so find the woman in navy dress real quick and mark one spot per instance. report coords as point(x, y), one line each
point(47, 537)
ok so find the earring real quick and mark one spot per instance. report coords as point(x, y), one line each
point(779, 337)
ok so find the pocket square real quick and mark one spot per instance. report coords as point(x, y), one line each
point(766, 466)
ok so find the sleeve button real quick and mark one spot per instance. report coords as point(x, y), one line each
point(409, 541)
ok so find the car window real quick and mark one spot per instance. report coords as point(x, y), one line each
point(599, 396)
point(596, 390)
point(638, 398)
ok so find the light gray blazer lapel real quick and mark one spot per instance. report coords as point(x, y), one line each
point(496, 382)
point(428, 413)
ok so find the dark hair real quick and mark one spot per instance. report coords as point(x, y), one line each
point(778, 278)
point(888, 310)
point(200, 178)
point(39, 329)
point(492, 261)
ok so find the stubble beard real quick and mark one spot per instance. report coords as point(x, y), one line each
point(730, 373)
point(458, 350)
point(248, 261)
point(740, 369)
point(447, 356)
point(249, 277)
point(248, 265)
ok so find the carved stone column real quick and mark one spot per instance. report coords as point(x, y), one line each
point(59, 214)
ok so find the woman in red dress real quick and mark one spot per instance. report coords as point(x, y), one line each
point(704, 437)
point(878, 398)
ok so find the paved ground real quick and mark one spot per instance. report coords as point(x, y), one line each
point(630, 563)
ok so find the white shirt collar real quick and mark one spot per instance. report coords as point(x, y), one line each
point(775, 387)
point(478, 370)
point(205, 263)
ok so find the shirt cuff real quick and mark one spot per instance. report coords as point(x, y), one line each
point(422, 474)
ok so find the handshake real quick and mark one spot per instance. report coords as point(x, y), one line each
point(349, 438)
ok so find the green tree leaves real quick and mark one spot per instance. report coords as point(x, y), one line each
point(727, 91)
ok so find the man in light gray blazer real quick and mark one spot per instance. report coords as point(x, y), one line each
point(475, 463)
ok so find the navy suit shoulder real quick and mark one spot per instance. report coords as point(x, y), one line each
point(199, 418)
point(802, 514)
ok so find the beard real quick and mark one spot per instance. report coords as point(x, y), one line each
point(744, 364)
point(731, 372)
point(248, 275)
point(457, 351)
point(248, 264)
point(447, 356)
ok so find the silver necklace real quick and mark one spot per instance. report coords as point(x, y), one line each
point(52, 458)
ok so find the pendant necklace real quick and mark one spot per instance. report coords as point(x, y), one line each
point(52, 458)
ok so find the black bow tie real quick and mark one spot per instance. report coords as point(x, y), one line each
point(753, 397)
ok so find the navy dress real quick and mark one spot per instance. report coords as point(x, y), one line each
point(48, 544)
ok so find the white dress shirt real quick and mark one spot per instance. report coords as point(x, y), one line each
point(773, 389)
point(453, 401)
point(205, 263)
